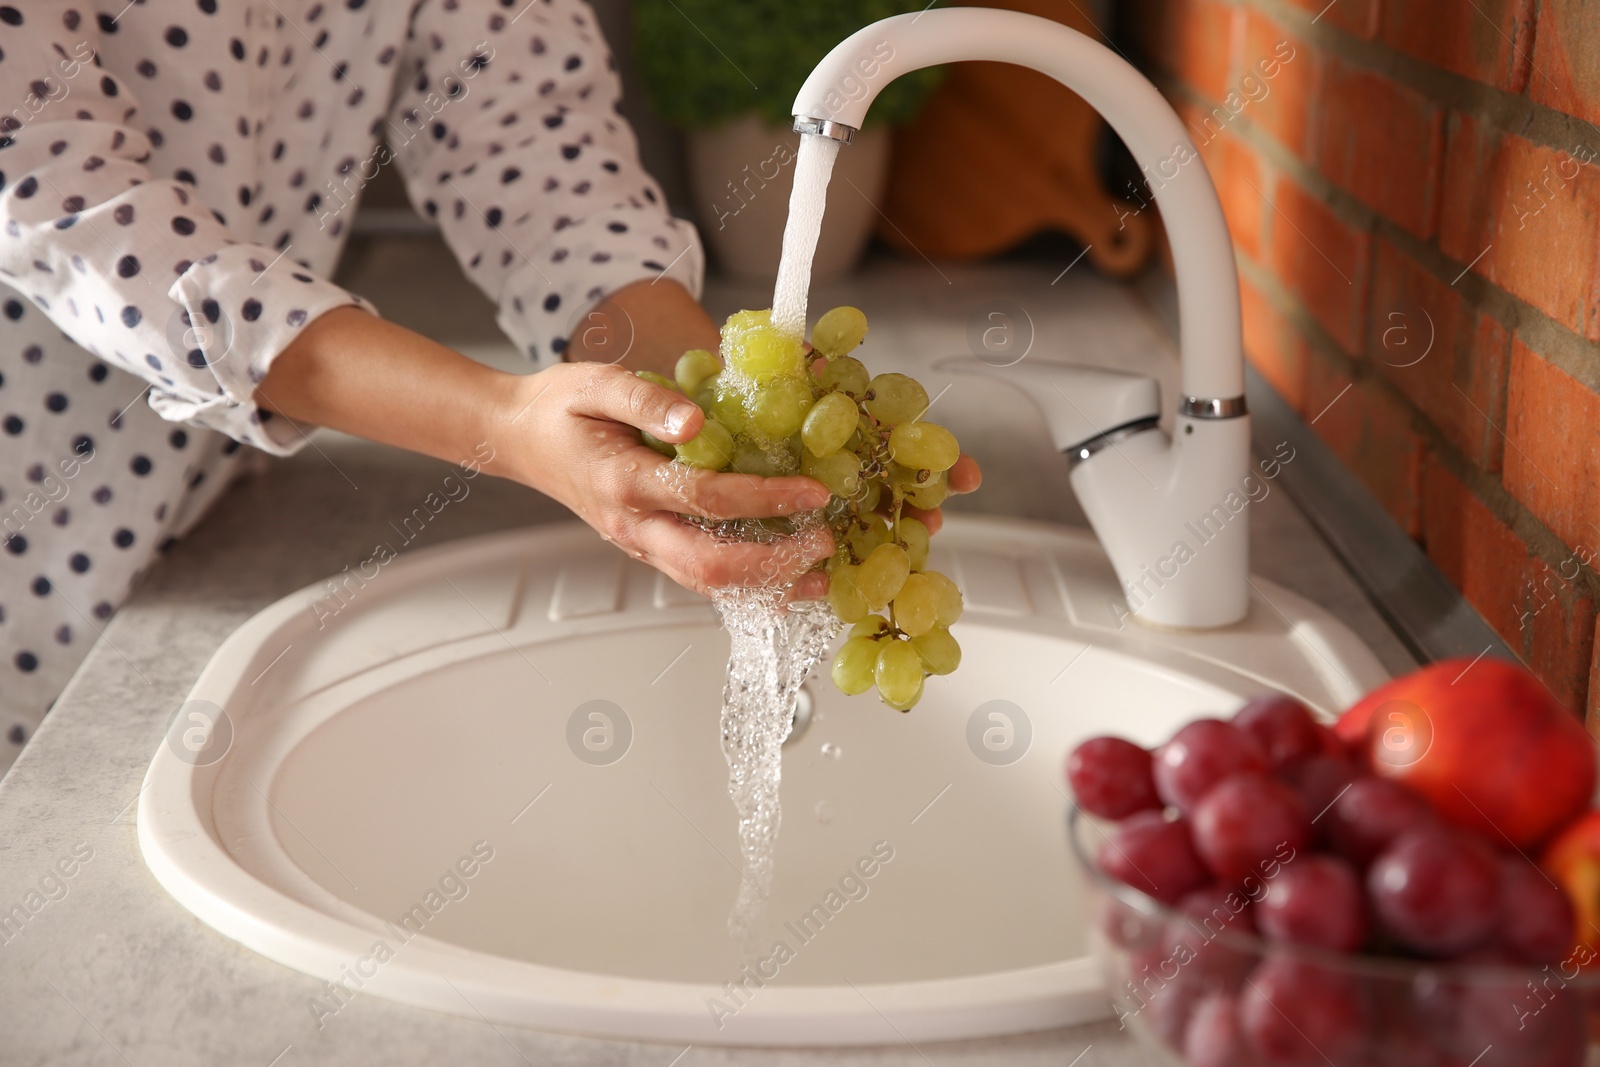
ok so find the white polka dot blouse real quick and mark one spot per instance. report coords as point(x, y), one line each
point(178, 177)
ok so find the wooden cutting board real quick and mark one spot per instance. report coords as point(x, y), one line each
point(1001, 153)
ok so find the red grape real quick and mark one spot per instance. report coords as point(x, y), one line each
point(1212, 1038)
point(1315, 900)
point(1296, 1014)
point(1331, 745)
point(1369, 815)
point(1219, 907)
point(1154, 855)
point(1536, 919)
point(1283, 728)
point(1247, 824)
point(1206, 913)
point(1320, 780)
point(1169, 1011)
point(1436, 889)
point(1401, 1049)
point(1159, 991)
point(1200, 755)
point(1499, 1021)
point(1111, 778)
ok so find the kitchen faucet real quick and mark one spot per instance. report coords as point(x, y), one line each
point(1170, 512)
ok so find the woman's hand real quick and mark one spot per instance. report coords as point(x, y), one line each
point(568, 431)
point(964, 478)
point(575, 438)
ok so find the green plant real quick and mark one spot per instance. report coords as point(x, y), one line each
point(707, 61)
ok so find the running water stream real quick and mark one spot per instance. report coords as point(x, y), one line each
point(813, 166)
point(773, 647)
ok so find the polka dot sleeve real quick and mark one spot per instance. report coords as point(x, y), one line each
point(506, 130)
point(133, 267)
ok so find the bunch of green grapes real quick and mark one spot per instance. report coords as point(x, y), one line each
point(776, 409)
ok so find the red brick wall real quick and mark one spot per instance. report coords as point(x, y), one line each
point(1414, 195)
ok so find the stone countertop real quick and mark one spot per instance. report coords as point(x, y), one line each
point(113, 971)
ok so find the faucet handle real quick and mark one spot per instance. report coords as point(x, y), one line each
point(1079, 403)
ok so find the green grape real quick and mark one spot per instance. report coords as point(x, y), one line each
point(847, 375)
point(840, 472)
point(898, 673)
point(929, 494)
point(844, 593)
point(757, 350)
point(780, 407)
point(658, 444)
point(939, 651)
point(916, 605)
point(867, 534)
point(839, 331)
point(741, 322)
point(659, 379)
point(727, 407)
point(711, 449)
point(895, 398)
point(949, 598)
point(855, 665)
point(924, 446)
point(829, 424)
point(751, 458)
point(695, 367)
point(909, 703)
point(882, 574)
point(771, 409)
point(871, 626)
point(914, 535)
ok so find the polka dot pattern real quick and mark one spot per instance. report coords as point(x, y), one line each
point(177, 182)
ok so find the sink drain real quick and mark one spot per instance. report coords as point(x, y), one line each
point(802, 716)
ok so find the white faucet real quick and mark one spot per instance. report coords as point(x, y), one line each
point(1169, 512)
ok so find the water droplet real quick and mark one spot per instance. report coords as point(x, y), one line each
point(831, 750)
point(824, 813)
point(631, 466)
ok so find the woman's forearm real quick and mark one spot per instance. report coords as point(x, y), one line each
point(352, 371)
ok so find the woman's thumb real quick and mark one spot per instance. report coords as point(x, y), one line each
point(622, 396)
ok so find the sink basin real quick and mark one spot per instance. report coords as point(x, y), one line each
point(486, 779)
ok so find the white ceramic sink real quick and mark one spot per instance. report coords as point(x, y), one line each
point(444, 720)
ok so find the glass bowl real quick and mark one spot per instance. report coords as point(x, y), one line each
point(1202, 995)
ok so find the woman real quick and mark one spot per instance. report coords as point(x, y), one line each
point(176, 182)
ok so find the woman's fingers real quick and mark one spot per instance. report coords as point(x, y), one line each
point(658, 484)
point(695, 559)
point(933, 518)
point(616, 393)
point(812, 586)
point(965, 476)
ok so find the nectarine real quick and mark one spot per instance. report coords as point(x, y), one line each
point(1484, 742)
